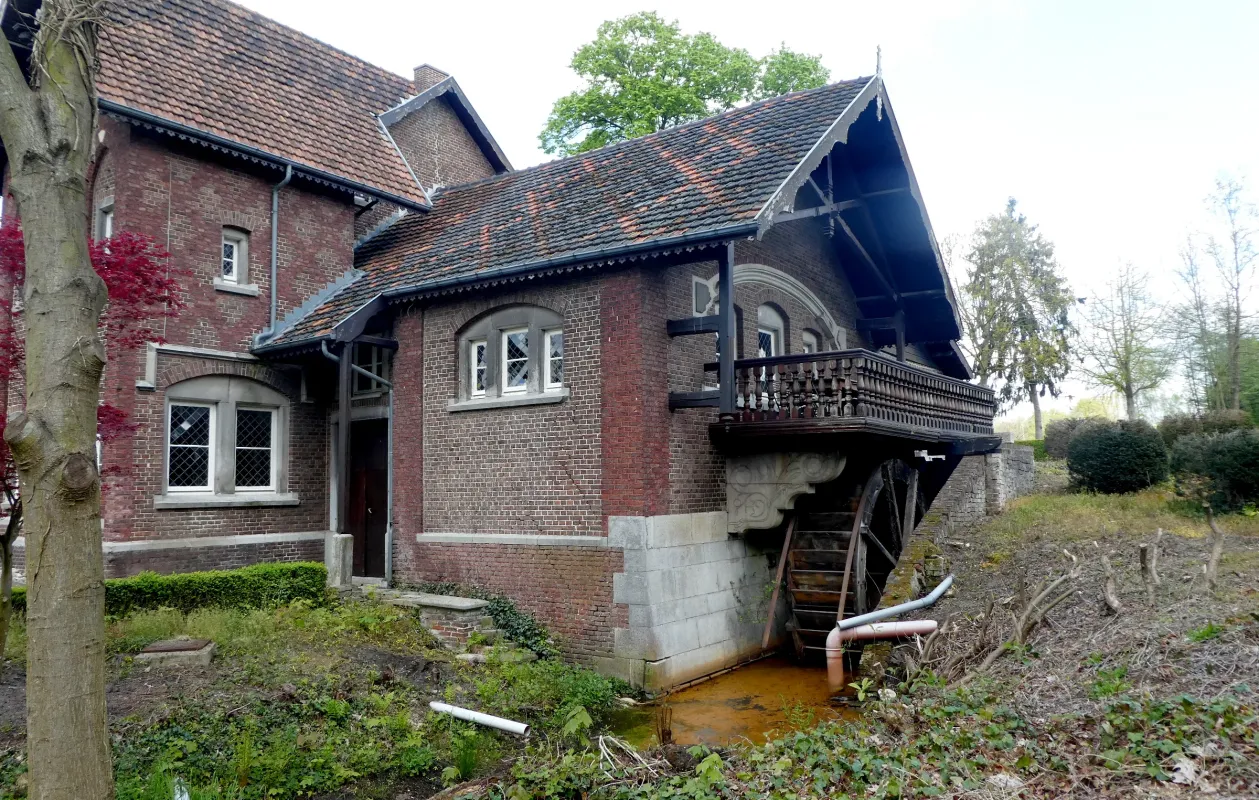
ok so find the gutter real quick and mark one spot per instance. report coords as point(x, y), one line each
point(275, 240)
point(261, 156)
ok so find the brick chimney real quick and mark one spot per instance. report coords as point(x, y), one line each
point(428, 76)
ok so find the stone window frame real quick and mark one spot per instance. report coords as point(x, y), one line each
point(810, 341)
point(489, 330)
point(239, 283)
point(224, 394)
point(105, 219)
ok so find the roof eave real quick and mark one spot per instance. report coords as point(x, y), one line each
point(467, 114)
point(352, 326)
point(255, 154)
point(916, 194)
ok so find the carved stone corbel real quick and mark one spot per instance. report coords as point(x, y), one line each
point(759, 488)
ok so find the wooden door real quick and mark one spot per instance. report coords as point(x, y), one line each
point(369, 481)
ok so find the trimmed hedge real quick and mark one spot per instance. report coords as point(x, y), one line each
point(1174, 426)
point(1038, 448)
point(1116, 457)
point(256, 586)
point(1229, 462)
point(1058, 435)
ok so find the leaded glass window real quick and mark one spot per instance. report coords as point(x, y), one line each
point(554, 359)
point(254, 464)
point(190, 457)
point(477, 359)
point(516, 360)
point(234, 263)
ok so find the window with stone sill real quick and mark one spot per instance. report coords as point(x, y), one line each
point(514, 354)
point(234, 266)
point(225, 438)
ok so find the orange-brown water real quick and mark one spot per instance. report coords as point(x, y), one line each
point(770, 695)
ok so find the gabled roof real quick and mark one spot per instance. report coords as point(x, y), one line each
point(213, 67)
point(471, 120)
point(698, 182)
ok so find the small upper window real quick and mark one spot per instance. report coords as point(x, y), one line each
point(703, 296)
point(478, 361)
point(554, 359)
point(809, 341)
point(375, 360)
point(516, 360)
point(105, 223)
point(770, 327)
point(235, 264)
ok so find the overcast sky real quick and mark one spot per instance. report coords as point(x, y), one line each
point(1109, 121)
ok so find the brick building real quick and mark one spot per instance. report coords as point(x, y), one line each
point(610, 386)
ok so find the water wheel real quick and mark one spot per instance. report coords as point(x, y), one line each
point(843, 545)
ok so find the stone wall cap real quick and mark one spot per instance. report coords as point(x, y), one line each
point(425, 600)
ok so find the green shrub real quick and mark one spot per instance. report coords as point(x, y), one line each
point(1038, 448)
point(1058, 435)
point(1174, 426)
point(1229, 463)
point(256, 586)
point(1116, 457)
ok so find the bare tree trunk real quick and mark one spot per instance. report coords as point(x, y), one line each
point(47, 128)
point(1036, 415)
point(1130, 404)
point(6, 571)
point(1216, 537)
point(1110, 596)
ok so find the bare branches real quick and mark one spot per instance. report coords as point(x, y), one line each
point(1046, 597)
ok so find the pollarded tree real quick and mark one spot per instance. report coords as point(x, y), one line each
point(47, 127)
point(1017, 308)
point(642, 74)
point(143, 288)
point(1121, 349)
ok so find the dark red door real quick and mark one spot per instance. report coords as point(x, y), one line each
point(369, 477)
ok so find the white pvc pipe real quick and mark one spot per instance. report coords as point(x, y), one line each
point(903, 608)
point(890, 630)
point(489, 720)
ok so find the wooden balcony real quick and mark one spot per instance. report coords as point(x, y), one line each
point(847, 392)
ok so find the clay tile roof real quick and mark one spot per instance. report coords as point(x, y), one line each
point(687, 181)
point(221, 69)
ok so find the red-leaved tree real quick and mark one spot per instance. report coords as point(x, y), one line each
point(143, 290)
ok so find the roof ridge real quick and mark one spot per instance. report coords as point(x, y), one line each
point(654, 134)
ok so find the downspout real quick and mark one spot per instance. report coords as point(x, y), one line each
point(275, 241)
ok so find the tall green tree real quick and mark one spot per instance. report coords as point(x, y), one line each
point(1121, 350)
point(1016, 308)
point(47, 128)
point(643, 74)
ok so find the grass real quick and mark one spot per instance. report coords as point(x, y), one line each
point(1083, 517)
point(303, 701)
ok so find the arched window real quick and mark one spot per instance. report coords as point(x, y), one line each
point(771, 332)
point(810, 341)
point(513, 355)
point(226, 440)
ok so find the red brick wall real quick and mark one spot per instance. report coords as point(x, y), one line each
point(569, 588)
point(184, 202)
point(635, 395)
point(408, 431)
point(528, 470)
point(438, 147)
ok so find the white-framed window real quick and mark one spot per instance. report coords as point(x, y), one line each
point(375, 360)
point(235, 262)
point(478, 365)
point(190, 447)
point(516, 360)
point(255, 449)
point(809, 341)
point(554, 360)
